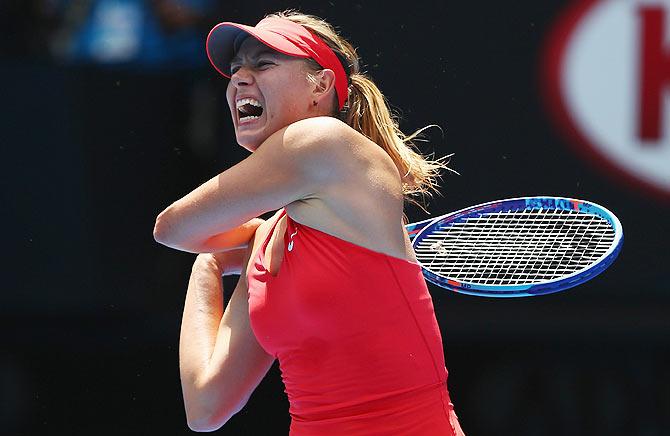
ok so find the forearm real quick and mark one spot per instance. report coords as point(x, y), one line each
point(235, 238)
point(214, 386)
point(203, 309)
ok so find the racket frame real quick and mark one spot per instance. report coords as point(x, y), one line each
point(417, 231)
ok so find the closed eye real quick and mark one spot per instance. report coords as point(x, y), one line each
point(259, 65)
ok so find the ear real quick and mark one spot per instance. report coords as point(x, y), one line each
point(324, 86)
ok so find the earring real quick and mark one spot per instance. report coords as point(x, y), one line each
point(314, 103)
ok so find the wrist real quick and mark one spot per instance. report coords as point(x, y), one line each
point(207, 262)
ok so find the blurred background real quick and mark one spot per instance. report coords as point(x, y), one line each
point(111, 112)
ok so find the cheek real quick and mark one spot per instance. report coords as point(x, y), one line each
point(287, 96)
point(295, 99)
point(229, 98)
point(284, 110)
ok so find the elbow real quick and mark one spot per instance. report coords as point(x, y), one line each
point(204, 425)
point(209, 409)
point(164, 230)
point(160, 229)
point(171, 232)
point(204, 421)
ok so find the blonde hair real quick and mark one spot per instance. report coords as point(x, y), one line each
point(368, 111)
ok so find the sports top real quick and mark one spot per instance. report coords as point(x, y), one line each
point(354, 330)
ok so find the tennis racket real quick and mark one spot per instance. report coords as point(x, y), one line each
point(517, 247)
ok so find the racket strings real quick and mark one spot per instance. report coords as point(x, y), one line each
point(516, 247)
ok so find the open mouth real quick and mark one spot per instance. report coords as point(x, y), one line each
point(248, 109)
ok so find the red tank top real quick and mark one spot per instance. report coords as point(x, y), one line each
point(354, 330)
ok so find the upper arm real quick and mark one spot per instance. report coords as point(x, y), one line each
point(294, 163)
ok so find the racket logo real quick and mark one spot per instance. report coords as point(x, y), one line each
point(438, 248)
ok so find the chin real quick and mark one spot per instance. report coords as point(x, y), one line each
point(251, 141)
point(248, 144)
point(250, 148)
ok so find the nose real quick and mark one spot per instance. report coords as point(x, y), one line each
point(241, 77)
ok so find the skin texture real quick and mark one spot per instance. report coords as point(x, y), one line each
point(327, 176)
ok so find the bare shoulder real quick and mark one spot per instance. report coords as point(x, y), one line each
point(349, 176)
point(319, 131)
point(325, 137)
point(331, 147)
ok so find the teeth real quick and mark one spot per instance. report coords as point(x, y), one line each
point(250, 101)
point(249, 118)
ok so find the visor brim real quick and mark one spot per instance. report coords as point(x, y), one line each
point(224, 39)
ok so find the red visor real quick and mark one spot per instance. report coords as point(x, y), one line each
point(281, 35)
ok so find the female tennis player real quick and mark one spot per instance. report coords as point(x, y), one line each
point(329, 285)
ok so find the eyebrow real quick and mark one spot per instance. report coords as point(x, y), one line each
point(259, 53)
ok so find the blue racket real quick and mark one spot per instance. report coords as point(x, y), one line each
point(517, 247)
